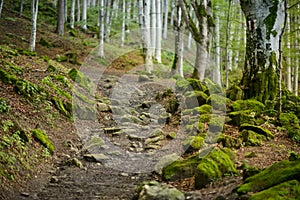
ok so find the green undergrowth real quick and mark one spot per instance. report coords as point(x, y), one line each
point(42, 137)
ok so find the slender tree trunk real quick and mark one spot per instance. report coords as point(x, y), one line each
point(66, 11)
point(101, 29)
point(34, 13)
point(60, 21)
point(78, 11)
point(158, 31)
point(123, 23)
point(173, 7)
point(179, 26)
point(1, 6)
point(93, 3)
point(147, 32)
point(289, 59)
point(21, 7)
point(72, 14)
point(227, 67)
point(84, 15)
point(108, 19)
point(265, 19)
point(217, 68)
point(153, 26)
point(166, 15)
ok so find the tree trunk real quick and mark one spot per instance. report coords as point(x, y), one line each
point(101, 29)
point(72, 14)
point(265, 19)
point(123, 22)
point(153, 26)
point(60, 21)
point(166, 14)
point(66, 11)
point(1, 6)
point(108, 19)
point(179, 26)
point(21, 7)
point(147, 36)
point(34, 13)
point(289, 59)
point(78, 11)
point(84, 15)
point(201, 33)
point(158, 31)
point(216, 76)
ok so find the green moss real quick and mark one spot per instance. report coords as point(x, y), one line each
point(258, 130)
point(80, 78)
point(289, 190)
point(278, 173)
point(42, 137)
point(193, 143)
point(204, 109)
point(271, 18)
point(64, 108)
point(181, 169)
point(251, 138)
point(216, 123)
point(218, 102)
point(213, 166)
point(195, 98)
point(205, 118)
point(29, 90)
point(229, 141)
point(7, 78)
point(197, 85)
point(240, 117)
point(235, 93)
point(26, 52)
point(249, 104)
point(48, 81)
point(291, 123)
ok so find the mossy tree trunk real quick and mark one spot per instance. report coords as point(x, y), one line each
point(265, 21)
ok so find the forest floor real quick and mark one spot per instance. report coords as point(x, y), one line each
point(124, 159)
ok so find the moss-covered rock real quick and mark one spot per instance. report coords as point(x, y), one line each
point(205, 118)
point(229, 141)
point(291, 123)
point(217, 101)
point(278, 173)
point(249, 104)
point(195, 128)
point(290, 103)
point(204, 109)
point(181, 169)
point(213, 166)
point(240, 117)
point(153, 190)
point(289, 190)
point(80, 78)
point(193, 143)
point(257, 129)
point(249, 171)
point(195, 98)
point(250, 138)
point(216, 124)
point(64, 107)
point(197, 85)
point(42, 137)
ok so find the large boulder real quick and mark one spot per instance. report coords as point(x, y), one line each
point(213, 166)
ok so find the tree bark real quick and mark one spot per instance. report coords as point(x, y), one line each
point(201, 33)
point(84, 15)
point(60, 21)
point(265, 19)
point(216, 76)
point(166, 14)
point(158, 31)
point(101, 29)
point(72, 14)
point(147, 36)
point(78, 11)
point(1, 6)
point(34, 13)
point(123, 22)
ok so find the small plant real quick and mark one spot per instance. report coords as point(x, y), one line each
point(6, 125)
point(4, 106)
